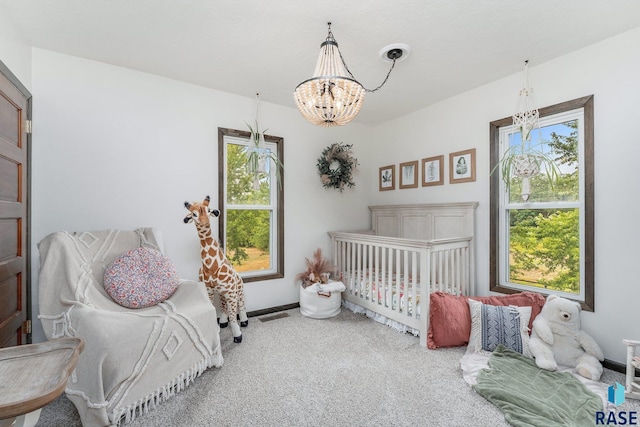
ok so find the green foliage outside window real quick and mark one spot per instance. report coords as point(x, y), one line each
point(240, 181)
point(545, 248)
point(246, 227)
point(544, 244)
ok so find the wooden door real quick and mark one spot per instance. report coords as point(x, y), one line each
point(15, 124)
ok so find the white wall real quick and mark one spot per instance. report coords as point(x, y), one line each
point(608, 70)
point(15, 53)
point(116, 148)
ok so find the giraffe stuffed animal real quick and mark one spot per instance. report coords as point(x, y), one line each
point(216, 271)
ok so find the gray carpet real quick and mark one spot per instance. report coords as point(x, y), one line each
point(348, 370)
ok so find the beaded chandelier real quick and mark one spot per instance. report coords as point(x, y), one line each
point(332, 96)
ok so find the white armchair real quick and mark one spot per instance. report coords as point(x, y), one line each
point(133, 359)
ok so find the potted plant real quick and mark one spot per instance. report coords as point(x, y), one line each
point(525, 161)
point(318, 270)
point(319, 297)
point(258, 155)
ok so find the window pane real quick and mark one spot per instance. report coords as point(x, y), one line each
point(557, 143)
point(243, 186)
point(248, 239)
point(544, 248)
point(545, 243)
point(251, 200)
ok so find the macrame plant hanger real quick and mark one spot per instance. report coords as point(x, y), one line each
point(526, 118)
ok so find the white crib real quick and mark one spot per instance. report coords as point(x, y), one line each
point(410, 251)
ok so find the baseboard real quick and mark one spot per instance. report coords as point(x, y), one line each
point(614, 366)
point(272, 310)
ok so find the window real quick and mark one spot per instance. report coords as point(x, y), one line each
point(545, 243)
point(251, 223)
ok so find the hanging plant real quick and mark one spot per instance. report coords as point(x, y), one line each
point(336, 166)
point(257, 153)
point(524, 161)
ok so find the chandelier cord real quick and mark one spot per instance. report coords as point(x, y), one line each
point(333, 40)
point(368, 90)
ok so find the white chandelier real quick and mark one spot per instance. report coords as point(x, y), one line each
point(332, 96)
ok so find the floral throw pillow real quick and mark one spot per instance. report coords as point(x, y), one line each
point(141, 277)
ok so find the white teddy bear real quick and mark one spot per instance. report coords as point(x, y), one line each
point(556, 339)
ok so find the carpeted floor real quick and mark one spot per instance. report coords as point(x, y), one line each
point(344, 371)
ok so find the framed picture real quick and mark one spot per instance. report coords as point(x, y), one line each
point(409, 174)
point(462, 166)
point(387, 178)
point(433, 171)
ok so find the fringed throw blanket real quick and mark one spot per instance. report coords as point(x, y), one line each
point(133, 359)
point(530, 396)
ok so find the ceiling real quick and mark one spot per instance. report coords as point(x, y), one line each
point(249, 46)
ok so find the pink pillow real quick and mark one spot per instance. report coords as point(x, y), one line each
point(450, 319)
point(140, 278)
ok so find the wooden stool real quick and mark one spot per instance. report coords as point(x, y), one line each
point(32, 376)
point(632, 383)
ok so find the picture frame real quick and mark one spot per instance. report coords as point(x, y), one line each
point(387, 178)
point(462, 166)
point(408, 174)
point(433, 171)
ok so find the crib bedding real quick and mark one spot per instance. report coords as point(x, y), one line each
point(373, 315)
point(383, 289)
point(387, 289)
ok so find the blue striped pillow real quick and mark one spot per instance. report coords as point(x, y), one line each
point(493, 325)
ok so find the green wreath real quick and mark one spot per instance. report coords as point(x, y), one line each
point(336, 166)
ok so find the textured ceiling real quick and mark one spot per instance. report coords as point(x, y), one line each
point(250, 46)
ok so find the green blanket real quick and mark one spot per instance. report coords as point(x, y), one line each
point(530, 396)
